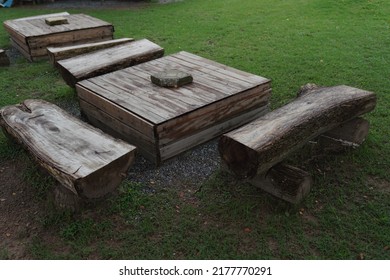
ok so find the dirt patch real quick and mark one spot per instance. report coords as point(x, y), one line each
point(19, 211)
point(379, 184)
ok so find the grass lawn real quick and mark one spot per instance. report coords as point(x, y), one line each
point(327, 42)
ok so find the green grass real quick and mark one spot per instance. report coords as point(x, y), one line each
point(327, 42)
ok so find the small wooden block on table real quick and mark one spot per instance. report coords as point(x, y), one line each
point(82, 158)
point(163, 122)
point(31, 36)
point(107, 60)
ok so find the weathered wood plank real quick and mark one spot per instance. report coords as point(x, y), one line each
point(198, 91)
point(159, 100)
point(61, 14)
point(177, 146)
point(213, 113)
point(21, 49)
point(221, 85)
point(117, 128)
point(115, 109)
point(114, 92)
point(225, 73)
point(70, 37)
point(245, 76)
point(108, 60)
point(37, 27)
point(256, 147)
point(82, 158)
point(60, 53)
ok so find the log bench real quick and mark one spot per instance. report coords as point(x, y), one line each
point(107, 60)
point(83, 159)
point(255, 152)
point(60, 53)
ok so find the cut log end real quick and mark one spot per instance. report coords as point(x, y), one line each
point(239, 159)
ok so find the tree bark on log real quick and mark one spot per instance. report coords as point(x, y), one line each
point(82, 158)
point(285, 182)
point(256, 147)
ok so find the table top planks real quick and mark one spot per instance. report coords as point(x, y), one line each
point(132, 89)
point(36, 27)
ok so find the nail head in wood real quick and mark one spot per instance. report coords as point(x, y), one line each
point(171, 78)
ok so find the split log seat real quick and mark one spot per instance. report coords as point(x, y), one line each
point(254, 151)
point(82, 158)
point(107, 60)
point(59, 53)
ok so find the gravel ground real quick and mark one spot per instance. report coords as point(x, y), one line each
point(192, 167)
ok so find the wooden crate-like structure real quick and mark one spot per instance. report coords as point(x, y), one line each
point(31, 36)
point(163, 122)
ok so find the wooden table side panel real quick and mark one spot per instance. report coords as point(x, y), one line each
point(176, 147)
point(195, 120)
point(15, 35)
point(22, 50)
point(86, 93)
point(117, 128)
point(20, 44)
point(69, 37)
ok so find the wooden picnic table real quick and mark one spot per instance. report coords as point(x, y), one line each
point(32, 35)
point(163, 122)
